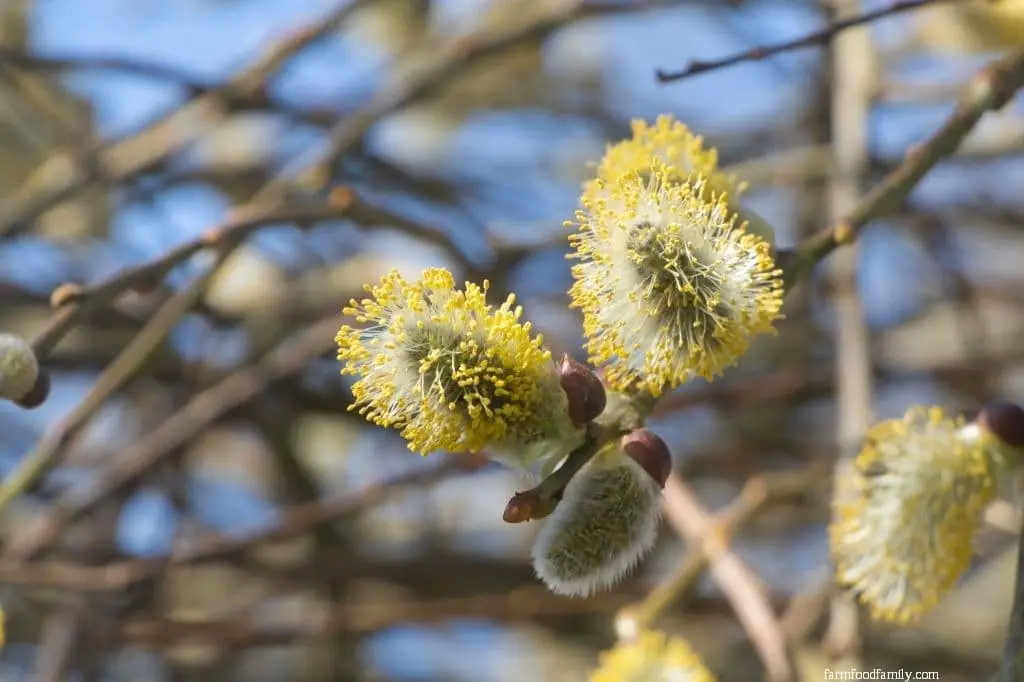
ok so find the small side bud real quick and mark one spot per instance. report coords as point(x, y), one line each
point(19, 368)
point(214, 235)
point(341, 197)
point(1005, 420)
point(64, 293)
point(528, 506)
point(649, 451)
point(605, 524)
point(584, 390)
point(520, 508)
point(38, 394)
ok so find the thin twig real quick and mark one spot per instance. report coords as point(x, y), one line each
point(294, 521)
point(990, 90)
point(130, 66)
point(128, 156)
point(525, 604)
point(817, 39)
point(47, 453)
point(739, 584)
point(1012, 666)
point(60, 640)
point(244, 385)
point(453, 58)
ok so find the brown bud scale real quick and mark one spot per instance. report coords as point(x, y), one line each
point(649, 451)
point(1005, 420)
point(64, 293)
point(583, 389)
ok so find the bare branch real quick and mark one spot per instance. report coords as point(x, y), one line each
point(817, 39)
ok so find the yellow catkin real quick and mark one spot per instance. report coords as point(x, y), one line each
point(670, 284)
point(670, 143)
point(651, 657)
point(906, 518)
point(447, 370)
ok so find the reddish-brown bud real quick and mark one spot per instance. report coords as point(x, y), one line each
point(1005, 420)
point(528, 506)
point(64, 294)
point(583, 389)
point(38, 394)
point(520, 508)
point(649, 451)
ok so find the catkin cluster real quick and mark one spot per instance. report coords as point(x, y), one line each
point(672, 285)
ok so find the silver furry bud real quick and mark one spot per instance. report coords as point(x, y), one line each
point(605, 524)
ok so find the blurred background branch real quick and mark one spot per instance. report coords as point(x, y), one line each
point(192, 190)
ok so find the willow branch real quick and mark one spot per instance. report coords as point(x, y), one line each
point(453, 58)
point(739, 584)
point(852, 84)
point(124, 367)
point(756, 494)
point(294, 521)
point(820, 38)
point(289, 358)
point(990, 90)
point(121, 159)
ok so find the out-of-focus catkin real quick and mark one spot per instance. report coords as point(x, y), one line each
point(906, 518)
point(651, 657)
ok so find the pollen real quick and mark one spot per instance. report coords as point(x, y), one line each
point(906, 519)
point(651, 657)
point(670, 283)
point(671, 143)
point(447, 370)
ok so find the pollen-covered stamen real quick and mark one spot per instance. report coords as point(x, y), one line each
point(683, 285)
point(469, 379)
point(450, 372)
point(670, 283)
point(671, 144)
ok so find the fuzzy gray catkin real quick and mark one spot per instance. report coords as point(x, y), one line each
point(605, 524)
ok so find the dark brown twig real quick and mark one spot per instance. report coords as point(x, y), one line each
point(131, 66)
point(525, 604)
point(131, 155)
point(817, 39)
point(294, 521)
point(990, 91)
point(752, 499)
point(244, 385)
point(1012, 666)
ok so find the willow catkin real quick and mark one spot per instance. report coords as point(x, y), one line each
point(605, 524)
